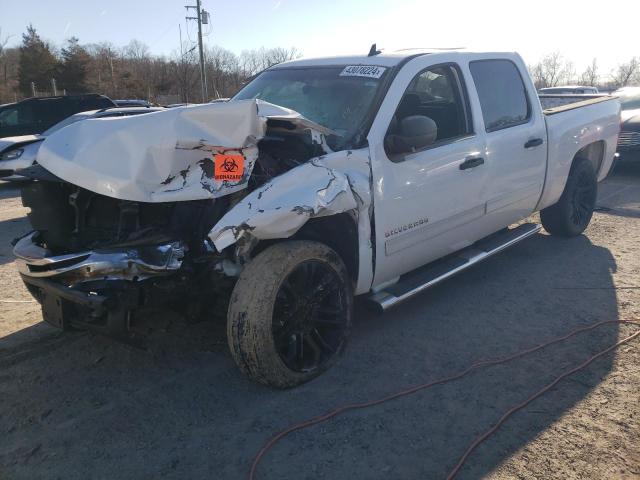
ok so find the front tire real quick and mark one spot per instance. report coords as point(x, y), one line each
point(572, 214)
point(290, 313)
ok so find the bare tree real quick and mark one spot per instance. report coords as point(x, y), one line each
point(104, 69)
point(133, 72)
point(552, 70)
point(625, 73)
point(254, 61)
point(590, 76)
point(3, 67)
point(3, 42)
point(184, 69)
point(222, 67)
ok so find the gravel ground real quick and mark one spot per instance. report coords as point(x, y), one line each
point(78, 406)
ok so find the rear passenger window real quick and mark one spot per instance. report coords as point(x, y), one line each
point(502, 93)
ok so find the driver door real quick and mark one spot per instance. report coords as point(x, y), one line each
point(428, 202)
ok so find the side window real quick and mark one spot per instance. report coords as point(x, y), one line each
point(9, 117)
point(502, 93)
point(438, 94)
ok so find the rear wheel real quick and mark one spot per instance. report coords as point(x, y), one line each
point(572, 214)
point(290, 313)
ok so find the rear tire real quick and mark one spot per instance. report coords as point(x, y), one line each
point(572, 214)
point(290, 313)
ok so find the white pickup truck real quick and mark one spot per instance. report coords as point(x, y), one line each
point(321, 179)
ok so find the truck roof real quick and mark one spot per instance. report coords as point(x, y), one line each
point(384, 59)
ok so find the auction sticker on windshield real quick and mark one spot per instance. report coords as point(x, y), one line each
point(369, 71)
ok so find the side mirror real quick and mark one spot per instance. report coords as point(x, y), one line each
point(414, 132)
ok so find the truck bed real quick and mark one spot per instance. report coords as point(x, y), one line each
point(593, 122)
point(552, 104)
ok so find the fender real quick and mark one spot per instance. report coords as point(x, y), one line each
point(336, 183)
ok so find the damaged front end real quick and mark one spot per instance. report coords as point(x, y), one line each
point(93, 261)
point(149, 211)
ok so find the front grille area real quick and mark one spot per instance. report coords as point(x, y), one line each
point(628, 140)
point(71, 219)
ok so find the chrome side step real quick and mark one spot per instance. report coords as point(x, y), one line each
point(431, 274)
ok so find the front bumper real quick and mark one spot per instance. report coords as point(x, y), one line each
point(131, 264)
point(94, 290)
point(107, 312)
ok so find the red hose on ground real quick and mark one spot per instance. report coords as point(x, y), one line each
point(424, 386)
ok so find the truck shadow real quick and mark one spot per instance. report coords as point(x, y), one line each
point(620, 193)
point(81, 406)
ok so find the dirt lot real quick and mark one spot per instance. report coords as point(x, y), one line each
point(77, 406)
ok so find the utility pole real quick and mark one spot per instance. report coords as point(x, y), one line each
point(198, 18)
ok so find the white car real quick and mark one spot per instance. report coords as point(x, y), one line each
point(629, 138)
point(17, 153)
point(322, 179)
point(569, 90)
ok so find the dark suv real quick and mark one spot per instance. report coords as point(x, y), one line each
point(35, 115)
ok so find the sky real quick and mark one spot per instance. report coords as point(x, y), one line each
point(580, 30)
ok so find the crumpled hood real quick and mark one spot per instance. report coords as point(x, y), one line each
point(8, 143)
point(178, 154)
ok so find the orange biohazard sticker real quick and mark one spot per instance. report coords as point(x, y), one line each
point(228, 167)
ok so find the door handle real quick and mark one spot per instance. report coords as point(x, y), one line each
point(534, 142)
point(471, 163)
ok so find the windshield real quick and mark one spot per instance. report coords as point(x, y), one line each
point(328, 96)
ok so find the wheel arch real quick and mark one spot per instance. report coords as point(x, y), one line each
point(340, 233)
point(558, 175)
point(594, 152)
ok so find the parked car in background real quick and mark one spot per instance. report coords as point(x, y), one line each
point(569, 90)
point(133, 103)
point(37, 114)
point(629, 138)
point(17, 153)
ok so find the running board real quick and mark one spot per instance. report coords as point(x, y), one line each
point(431, 274)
